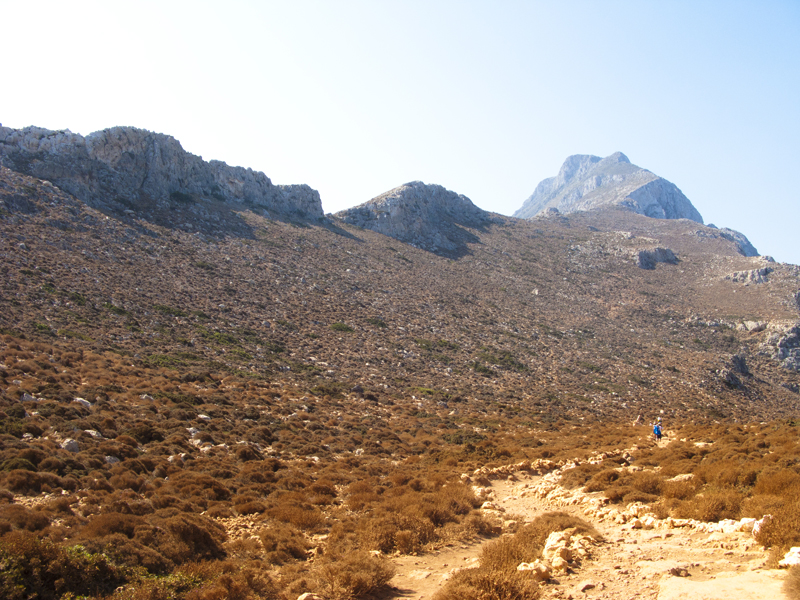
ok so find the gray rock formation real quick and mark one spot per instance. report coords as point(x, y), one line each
point(427, 216)
point(124, 168)
point(743, 245)
point(751, 276)
point(589, 182)
point(784, 346)
point(647, 259)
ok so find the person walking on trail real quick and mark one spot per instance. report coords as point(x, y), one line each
point(657, 431)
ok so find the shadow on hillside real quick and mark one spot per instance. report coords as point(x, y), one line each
point(334, 228)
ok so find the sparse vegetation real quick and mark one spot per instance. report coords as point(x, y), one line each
point(200, 427)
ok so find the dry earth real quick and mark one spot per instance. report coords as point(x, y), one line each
point(662, 563)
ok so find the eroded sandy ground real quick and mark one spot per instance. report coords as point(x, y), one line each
point(664, 563)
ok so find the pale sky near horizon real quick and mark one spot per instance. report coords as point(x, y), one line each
point(484, 98)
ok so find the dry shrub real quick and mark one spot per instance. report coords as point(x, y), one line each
point(360, 494)
point(20, 517)
point(731, 472)
point(301, 515)
point(283, 543)
point(486, 584)
point(758, 506)
point(250, 508)
point(679, 490)
point(34, 568)
point(791, 586)
point(784, 482)
point(130, 553)
point(395, 531)
point(712, 505)
point(200, 485)
point(602, 480)
point(353, 576)
point(578, 476)
point(783, 530)
point(171, 536)
point(229, 581)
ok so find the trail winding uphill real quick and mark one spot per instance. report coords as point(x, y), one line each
point(640, 556)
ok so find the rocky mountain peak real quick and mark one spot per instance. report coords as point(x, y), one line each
point(427, 216)
point(587, 182)
point(129, 169)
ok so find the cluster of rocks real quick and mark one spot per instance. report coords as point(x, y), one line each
point(648, 258)
point(125, 169)
point(783, 344)
point(562, 549)
point(751, 276)
point(588, 182)
point(426, 216)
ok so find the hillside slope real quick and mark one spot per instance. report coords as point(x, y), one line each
point(581, 314)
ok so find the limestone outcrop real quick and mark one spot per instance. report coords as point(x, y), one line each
point(588, 182)
point(424, 215)
point(783, 344)
point(129, 169)
point(648, 258)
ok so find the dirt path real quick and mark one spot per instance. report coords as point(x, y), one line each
point(659, 564)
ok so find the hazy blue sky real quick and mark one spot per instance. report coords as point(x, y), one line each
point(485, 98)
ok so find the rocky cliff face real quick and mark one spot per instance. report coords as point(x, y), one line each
point(588, 182)
point(124, 168)
point(427, 216)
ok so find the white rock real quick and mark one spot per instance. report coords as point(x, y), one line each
point(559, 564)
point(83, 402)
point(792, 558)
point(540, 571)
point(70, 445)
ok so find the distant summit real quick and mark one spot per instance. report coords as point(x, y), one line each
point(588, 182)
point(425, 215)
point(125, 169)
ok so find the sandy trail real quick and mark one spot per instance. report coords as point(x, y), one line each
point(656, 564)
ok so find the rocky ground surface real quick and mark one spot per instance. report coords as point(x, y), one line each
point(641, 558)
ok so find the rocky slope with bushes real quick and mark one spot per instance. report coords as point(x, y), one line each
point(221, 403)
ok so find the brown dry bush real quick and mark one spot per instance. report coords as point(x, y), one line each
point(679, 490)
point(227, 580)
point(391, 531)
point(20, 517)
point(641, 486)
point(713, 504)
point(487, 584)
point(726, 473)
point(783, 482)
point(173, 537)
point(352, 576)
point(783, 530)
point(602, 480)
point(578, 476)
point(301, 515)
point(282, 543)
point(34, 568)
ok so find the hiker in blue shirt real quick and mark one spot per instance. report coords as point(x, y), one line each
point(657, 431)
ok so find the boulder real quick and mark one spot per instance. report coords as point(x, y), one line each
point(791, 558)
point(70, 445)
point(540, 571)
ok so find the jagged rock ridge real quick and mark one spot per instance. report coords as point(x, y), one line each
point(427, 216)
point(587, 182)
point(125, 168)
